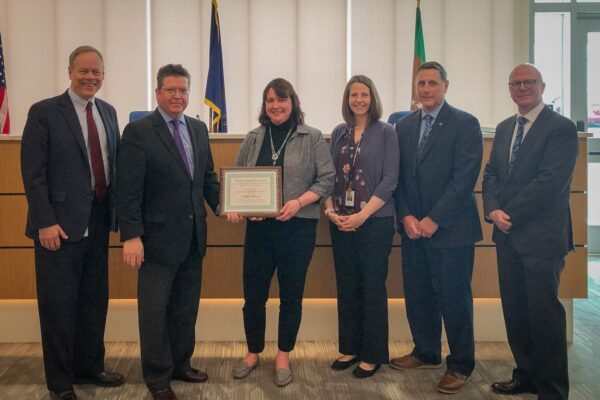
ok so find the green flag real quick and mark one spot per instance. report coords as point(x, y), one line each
point(419, 56)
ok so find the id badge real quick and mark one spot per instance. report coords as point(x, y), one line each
point(349, 198)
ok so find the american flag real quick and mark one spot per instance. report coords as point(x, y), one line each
point(4, 117)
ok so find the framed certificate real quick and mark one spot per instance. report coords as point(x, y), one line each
point(251, 191)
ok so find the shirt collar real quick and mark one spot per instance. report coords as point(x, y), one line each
point(434, 113)
point(533, 113)
point(76, 99)
point(168, 118)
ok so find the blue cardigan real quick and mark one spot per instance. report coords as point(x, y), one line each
point(380, 159)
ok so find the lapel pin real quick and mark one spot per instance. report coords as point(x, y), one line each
point(441, 124)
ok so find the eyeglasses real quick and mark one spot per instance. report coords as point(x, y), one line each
point(172, 91)
point(527, 83)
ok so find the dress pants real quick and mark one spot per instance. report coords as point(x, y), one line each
point(361, 267)
point(72, 292)
point(437, 285)
point(535, 320)
point(168, 300)
point(287, 247)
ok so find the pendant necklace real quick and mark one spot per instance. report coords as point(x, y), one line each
point(275, 154)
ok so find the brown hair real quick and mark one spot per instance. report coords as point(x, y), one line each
point(283, 89)
point(375, 110)
point(171, 70)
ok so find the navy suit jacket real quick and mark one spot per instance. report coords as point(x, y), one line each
point(536, 194)
point(156, 198)
point(440, 183)
point(56, 170)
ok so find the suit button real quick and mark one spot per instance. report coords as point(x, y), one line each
point(191, 216)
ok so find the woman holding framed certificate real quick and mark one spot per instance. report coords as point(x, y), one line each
point(285, 243)
point(366, 158)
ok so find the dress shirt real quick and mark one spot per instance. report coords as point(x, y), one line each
point(531, 117)
point(185, 136)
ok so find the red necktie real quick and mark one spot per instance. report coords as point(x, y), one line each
point(96, 154)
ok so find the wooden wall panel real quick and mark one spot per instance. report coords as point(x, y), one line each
point(222, 271)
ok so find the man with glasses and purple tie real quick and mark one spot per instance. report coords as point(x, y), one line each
point(165, 172)
point(526, 188)
point(440, 156)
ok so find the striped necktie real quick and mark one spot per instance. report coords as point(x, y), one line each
point(428, 121)
point(517, 143)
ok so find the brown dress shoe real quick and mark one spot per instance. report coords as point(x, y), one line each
point(191, 375)
point(163, 394)
point(452, 382)
point(104, 378)
point(407, 362)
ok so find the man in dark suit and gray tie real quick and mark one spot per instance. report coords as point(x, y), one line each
point(440, 157)
point(68, 157)
point(526, 188)
point(165, 172)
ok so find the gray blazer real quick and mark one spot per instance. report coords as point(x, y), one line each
point(307, 164)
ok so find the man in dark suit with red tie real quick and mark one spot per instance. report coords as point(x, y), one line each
point(68, 157)
point(440, 157)
point(526, 188)
point(165, 172)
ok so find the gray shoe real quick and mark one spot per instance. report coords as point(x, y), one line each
point(242, 370)
point(283, 377)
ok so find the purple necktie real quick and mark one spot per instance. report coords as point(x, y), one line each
point(179, 144)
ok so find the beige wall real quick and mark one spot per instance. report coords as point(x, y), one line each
point(305, 41)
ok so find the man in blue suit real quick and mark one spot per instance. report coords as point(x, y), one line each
point(526, 188)
point(68, 157)
point(440, 157)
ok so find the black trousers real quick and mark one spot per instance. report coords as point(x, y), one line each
point(361, 267)
point(72, 292)
point(535, 320)
point(437, 286)
point(168, 300)
point(287, 247)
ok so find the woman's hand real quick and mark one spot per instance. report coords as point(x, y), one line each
point(352, 222)
point(289, 209)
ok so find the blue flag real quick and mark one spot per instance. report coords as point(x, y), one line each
point(215, 82)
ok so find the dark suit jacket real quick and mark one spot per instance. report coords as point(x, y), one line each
point(536, 196)
point(156, 199)
point(55, 166)
point(440, 184)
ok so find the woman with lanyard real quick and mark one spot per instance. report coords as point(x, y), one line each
point(285, 243)
point(366, 157)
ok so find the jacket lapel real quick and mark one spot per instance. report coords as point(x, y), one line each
point(161, 128)
point(109, 128)
point(68, 110)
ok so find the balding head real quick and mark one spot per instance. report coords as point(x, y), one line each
point(526, 87)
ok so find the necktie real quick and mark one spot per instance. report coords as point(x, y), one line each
point(517, 143)
point(428, 121)
point(96, 154)
point(179, 144)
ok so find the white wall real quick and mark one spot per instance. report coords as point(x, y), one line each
point(304, 41)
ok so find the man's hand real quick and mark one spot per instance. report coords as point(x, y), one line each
point(234, 218)
point(133, 252)
point(50, 237)
point(411, 227)
point(428, 227)
point(501, 220)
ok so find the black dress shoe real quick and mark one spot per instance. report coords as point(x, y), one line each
point(365, 373)
point(66, 395)
point(339, 365)
point(104, 378)
point(514, 387)
point(163, 394)
point(191, 375)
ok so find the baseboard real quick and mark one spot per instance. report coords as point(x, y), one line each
point(221, 320)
